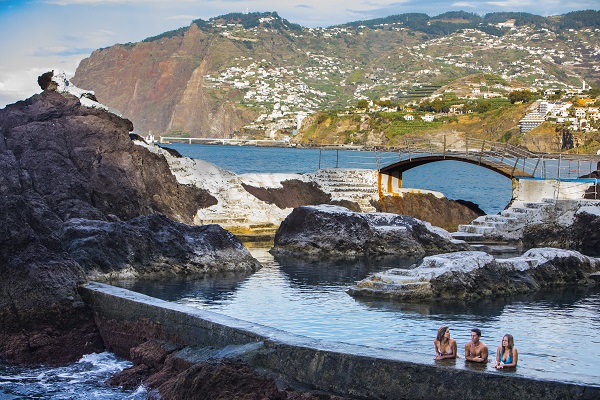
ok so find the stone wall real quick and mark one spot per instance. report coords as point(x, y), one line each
point(347, 370)
point(537, 190)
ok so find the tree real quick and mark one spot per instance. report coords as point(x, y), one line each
point(363, 103)
point(520, 96)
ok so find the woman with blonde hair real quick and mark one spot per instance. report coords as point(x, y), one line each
point(507, 355)
point(445, 346)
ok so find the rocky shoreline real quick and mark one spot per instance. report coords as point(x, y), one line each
point(81, 200)
point(471, 275)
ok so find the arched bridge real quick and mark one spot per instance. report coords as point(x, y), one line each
point(505, 159)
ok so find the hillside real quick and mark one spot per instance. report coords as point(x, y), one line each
point(391, 129)
point(256, 74)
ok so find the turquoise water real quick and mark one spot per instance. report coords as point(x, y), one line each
point(457, 180)
point(556, 331)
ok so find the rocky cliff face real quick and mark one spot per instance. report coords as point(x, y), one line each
point(212, 78)
point(76, 193)
point(159, 85)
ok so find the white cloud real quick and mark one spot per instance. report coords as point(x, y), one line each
point(184, 17)
point(468, 4)
point(19, 85)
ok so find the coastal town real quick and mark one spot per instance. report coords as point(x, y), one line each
point(283, 96)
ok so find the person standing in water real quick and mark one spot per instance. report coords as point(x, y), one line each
point(476, 350)
point(445, 346)
point(507, 355)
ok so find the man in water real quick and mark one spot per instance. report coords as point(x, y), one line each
point(476, 350)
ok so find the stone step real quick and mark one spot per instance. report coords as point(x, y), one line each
point(517, 215)
point(467, 236)
point(222, 220)
point(496, 249)
point(348, 185)
point(480, 229)
point(350, 190)
point(264, 231)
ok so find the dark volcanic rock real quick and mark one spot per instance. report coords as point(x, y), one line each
point(153, 246)
point(224, 380)
point(474, 274)
point(294, 193)
point(66, 167)
point(582, 235)
point(337, 232)
point(442, 212)
point(83, 164)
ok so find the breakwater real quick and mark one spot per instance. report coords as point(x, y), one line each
point(349, 370)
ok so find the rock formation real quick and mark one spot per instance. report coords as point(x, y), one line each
point(583, 234)
point(335, 231)
point(74, 192)
point(474, 274)
point(152, 246)
point(446, 214)
point(173, 372)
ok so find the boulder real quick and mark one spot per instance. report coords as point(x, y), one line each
point(583, 234)
point(79, 199)
point(337, 232)
point(153, 246)
point(438, 211)
point(471, 275)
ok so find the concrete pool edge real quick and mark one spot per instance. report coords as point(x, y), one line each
point(344, 369)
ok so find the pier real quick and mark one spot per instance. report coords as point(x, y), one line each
point(231, 141)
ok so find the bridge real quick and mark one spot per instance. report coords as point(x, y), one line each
point(503, 158)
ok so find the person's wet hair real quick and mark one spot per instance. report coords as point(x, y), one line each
point(511, 340)
point(477, 331)
point(441, 333)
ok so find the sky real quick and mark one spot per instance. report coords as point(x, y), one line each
point(42, 35)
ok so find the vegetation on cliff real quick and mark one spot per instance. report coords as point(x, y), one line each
point(256, 75)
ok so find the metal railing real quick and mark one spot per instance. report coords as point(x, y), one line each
point(503, 156)
point(579, 188)
point(512, 160)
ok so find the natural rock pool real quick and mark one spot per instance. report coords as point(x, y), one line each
point(556, 331)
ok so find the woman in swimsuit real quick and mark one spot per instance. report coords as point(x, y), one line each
point(445, 347)
point(506, 355)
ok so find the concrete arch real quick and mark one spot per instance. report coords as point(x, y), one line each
point(506, 170)
point(390, 177)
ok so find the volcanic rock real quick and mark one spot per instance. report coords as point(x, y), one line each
point(153, 246)
point(439, 211)
point(474, 274)
point(71, 178)
point(335, 231)
point(582, 235)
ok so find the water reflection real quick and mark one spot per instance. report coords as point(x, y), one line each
point(312, 272)
point(561, 299)
point(211, 288)
point(309, 298)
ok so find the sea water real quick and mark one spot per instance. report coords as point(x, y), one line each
point(456, 180)
point(555, 331)
point(84, 379)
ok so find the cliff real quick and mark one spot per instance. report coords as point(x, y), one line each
point(257, 74)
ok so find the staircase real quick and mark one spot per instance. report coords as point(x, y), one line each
point(508, 224)
point(356, 185)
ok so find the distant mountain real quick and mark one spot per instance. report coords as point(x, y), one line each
point(258, 72)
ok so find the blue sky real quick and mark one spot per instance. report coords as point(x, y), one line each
point(40, 35)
